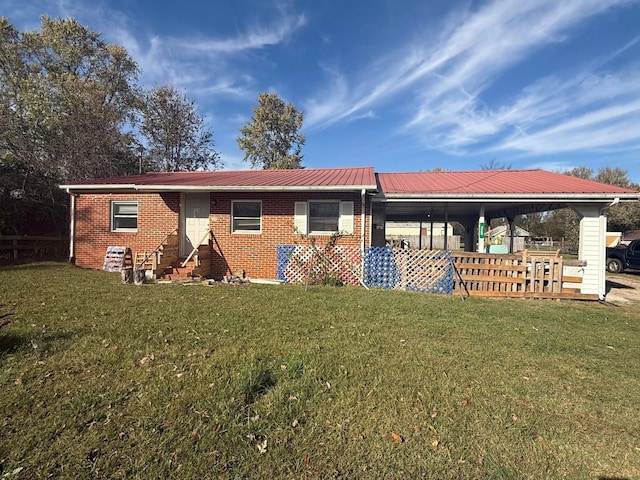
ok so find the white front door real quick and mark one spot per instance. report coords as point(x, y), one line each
point(195, 221)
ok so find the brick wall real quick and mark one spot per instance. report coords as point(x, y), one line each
point(158, 214)
point(256, 253)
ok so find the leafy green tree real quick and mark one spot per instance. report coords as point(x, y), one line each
point(613, 176)
point(271, 139)
point(65, 99)
point(534, 223)
point(565, 223)
point(581, 172)
point(176, 135)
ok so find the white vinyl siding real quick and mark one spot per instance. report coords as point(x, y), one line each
point(324, 217)
point(246, 216)
point(124, 216)
point(592, 249)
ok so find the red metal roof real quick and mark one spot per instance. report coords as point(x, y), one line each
point(358, 177)
point(490, 182)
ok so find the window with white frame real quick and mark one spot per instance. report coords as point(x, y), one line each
point(246, 216)
point(324, 217)
point(124, 216)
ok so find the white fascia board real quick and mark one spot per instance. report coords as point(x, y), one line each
point(120, 186)
point(462, 198)
point(256, 188)
point(205, 188)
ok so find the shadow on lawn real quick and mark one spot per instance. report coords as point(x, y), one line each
point(30, 265)
point(10, 342)
point(611, 285)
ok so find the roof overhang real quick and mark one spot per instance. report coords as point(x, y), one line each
point(421, 207)
point(508, 197)
point(125, 188)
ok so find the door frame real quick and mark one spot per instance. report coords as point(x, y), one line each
point(183, 220)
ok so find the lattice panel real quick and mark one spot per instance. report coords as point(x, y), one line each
point(428, 271)
point(299, 263)
point(380, 269)
point(425, 270)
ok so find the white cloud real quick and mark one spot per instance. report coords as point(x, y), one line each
point(444, 80)
point(258, 37)
point(189, 61)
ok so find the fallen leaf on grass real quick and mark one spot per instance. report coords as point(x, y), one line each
point(397, 438)
point(147, 359)
point(262, 446)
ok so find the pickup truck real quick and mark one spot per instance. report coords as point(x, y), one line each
point(623, 257)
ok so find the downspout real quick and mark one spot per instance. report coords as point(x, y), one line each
point(72, 227)
point(615, 202)
point(363, 199)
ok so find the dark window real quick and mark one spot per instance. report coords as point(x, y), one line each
point(324, 216)
point(246, 216)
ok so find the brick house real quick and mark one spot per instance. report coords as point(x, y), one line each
point(249, 214)
point(237, 220)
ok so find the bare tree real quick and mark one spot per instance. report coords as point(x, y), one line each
point(176, 134)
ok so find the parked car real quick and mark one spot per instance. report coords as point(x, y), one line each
point(624, 257)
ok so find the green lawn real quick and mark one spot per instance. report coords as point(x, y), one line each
point(104, 380)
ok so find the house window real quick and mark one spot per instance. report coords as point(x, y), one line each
point(246, 216)
point(124, 216)
point(324, 217)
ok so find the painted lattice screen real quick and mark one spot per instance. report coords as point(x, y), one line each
point(301, 263)
point(428, 271)
point(419, 270)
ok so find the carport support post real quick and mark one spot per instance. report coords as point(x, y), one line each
point(431, 235)
point(512, 232)
point(446, 229)
point(593, 227)
point(481, 230)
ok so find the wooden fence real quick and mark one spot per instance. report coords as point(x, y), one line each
point(520, 275)
point(26, 246)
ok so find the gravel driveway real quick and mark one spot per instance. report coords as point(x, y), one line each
point(623, 288)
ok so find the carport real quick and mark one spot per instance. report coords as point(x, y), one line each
point(473, 198)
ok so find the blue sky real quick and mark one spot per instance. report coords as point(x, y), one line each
point(400, 85)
